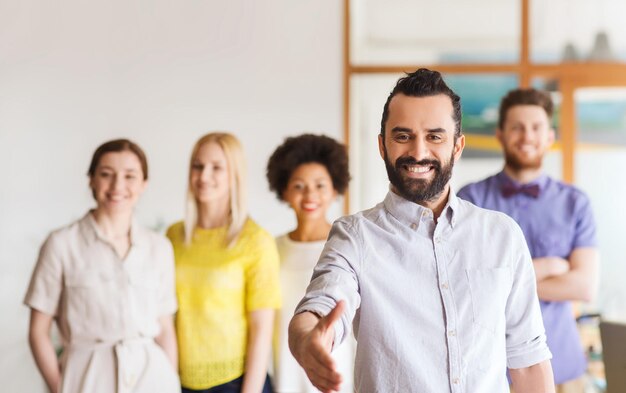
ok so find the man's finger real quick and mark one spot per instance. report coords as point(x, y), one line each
point(324, 379)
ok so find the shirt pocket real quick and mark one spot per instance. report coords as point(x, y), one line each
point(88, 299)
point(489, 289)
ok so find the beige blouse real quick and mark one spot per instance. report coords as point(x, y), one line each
point(106, 308)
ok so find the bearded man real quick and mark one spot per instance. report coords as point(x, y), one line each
point(556, 219)
point(441, 294)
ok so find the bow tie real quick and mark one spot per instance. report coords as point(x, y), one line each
point(532, 190)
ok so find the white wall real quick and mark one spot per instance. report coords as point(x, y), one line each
point(74, 74)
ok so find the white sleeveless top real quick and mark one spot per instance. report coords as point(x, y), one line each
point(297, 260)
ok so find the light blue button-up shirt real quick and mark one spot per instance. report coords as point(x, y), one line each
point(440, 306)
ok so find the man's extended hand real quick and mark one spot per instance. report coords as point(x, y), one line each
point(310, 341)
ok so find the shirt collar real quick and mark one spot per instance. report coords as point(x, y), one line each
point(410, 213)
point(91, 231)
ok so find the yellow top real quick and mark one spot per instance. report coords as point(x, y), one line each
point(217, 287)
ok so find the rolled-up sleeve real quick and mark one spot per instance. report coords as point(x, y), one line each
point(46, 283)
point(335, 277)
point(525, 334)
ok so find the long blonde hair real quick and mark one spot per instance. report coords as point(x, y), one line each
point(237, 179)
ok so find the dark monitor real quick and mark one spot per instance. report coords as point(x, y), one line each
point(613, 335)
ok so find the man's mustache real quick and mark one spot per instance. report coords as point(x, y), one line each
point(400, 162)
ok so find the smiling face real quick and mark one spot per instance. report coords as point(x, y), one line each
point(525, 136)
point(117, 182)
point(419, 148)
point(209, 176)
point(310, 191)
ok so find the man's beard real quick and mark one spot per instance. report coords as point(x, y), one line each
point(514, 162)
point(419, 190)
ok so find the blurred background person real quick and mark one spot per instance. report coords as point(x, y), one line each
point(307, 172)
point(109, 285)
point(557, 222)
point(226, 276)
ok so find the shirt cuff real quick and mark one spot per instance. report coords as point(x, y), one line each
point(528, 353)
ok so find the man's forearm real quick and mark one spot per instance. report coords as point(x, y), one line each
point(580, 283)
point(547, 267)
point(572, 286)
point(537, 378)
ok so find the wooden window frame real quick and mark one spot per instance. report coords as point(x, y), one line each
point(570, 76)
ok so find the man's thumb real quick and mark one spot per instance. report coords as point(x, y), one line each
point(334, 315)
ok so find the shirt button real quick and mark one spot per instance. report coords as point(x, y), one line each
point(413, 226)
point(444, 285)
point(452, 333)
point(455, 381)
point(437, 240)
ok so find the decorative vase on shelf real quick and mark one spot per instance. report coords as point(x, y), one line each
point(601, 49)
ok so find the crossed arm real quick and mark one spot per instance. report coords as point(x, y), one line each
point(575, 278)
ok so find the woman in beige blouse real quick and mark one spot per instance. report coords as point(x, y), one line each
point(109, 286)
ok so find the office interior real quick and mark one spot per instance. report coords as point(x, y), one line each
point(74, 74)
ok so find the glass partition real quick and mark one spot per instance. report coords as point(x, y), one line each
point(434, 32)
point(600, 162)
point(577, 31)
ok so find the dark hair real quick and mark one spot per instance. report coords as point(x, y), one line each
point(116, 146)
point(424, 83)
point(525, 97)
point(304, 149)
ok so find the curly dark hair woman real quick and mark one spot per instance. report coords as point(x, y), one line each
point(307, 172)
point(303, 149)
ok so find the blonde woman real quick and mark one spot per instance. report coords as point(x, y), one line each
point(307, 172)
point(226, 276)
point(109, 285)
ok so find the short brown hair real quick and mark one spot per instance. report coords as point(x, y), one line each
point(525, 97)
point(116, 146)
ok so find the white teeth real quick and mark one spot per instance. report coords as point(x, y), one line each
point(309, 206)
point(418, 169)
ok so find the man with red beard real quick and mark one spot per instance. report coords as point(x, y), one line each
point(441, 294)
point(556, 219)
